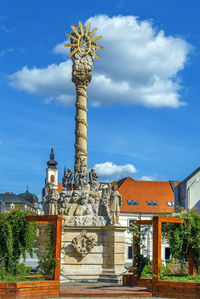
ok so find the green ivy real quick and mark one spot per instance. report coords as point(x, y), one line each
point(184, 238)
point(47, 261)
point(140, 260)
point(17, 237)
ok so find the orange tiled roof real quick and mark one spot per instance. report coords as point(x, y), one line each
point(144, 191)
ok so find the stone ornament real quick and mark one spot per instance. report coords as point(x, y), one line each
point(83, 244)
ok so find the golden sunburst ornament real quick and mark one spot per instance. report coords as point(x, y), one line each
point(83, 41)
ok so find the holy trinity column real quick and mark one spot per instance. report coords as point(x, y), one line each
point(83, 52)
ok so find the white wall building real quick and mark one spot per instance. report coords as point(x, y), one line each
point(141, 201)
point(187, 193)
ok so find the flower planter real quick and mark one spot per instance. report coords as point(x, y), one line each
point(29, 289)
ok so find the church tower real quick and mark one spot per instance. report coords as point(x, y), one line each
point(52, 171)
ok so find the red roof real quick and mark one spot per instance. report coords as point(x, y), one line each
point(143, 191)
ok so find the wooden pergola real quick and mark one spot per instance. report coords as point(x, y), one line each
point(56, 221)
point(157, 223)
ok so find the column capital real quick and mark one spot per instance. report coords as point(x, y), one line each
point(81, 78)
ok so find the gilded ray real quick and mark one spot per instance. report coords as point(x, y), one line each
point(71, 36)
point(73, 52)
point(80, 35)
point(71, 45)
point(81, 27)
point(92, 32)
point(97, 47)
point(95, 54)
point(96, 39)
point(75, 30)
point(87, 28)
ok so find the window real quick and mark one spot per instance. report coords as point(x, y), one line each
point(167, 253)
point(170, 203)
point(130, 220)
point(130, 252)
point(52, 178)
point(12, 206)
point(152, 203)
point(132, 202)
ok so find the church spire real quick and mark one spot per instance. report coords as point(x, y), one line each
point(52, 163)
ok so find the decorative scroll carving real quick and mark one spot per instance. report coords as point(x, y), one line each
point(84, 243)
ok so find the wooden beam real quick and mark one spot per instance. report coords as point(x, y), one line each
point(43, 218)
point(170, 219)
point(156, 247)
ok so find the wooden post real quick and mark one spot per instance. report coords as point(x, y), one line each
point(192, 269)
point(156, 247)
point(134, 257)
point(57, 246)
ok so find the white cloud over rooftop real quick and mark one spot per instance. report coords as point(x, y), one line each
point(139, 65)
point(111, 171)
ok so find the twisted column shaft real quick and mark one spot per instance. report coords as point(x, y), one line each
point(81, 80)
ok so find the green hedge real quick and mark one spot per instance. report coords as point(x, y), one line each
point(17, 237)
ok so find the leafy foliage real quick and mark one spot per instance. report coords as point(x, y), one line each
point(140, 260)
point(184, 238)
point(17, 237)
point(47, 261)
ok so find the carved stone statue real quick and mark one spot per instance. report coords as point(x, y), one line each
point(52, 199)
point(116, 202)
point(67, 179)
point(103, 207)
point(94, 184)
point(63, 202)
point(80, 180)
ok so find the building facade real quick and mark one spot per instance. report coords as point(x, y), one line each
point(187, 193)
point(24, 201)
point(141, 201)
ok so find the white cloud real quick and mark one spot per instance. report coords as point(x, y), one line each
point(149, 178)
point(139, 65)
point(109, 170)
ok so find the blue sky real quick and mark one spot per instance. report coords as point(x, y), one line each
point(143, 101)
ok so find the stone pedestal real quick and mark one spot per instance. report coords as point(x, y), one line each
point(105, 261)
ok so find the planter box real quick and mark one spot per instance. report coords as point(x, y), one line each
point(176, 289)
point(29, 289)
point(165, 288)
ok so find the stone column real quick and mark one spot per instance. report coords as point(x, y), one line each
point(81, 79)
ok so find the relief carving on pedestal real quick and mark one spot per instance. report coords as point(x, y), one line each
point(84, 243)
